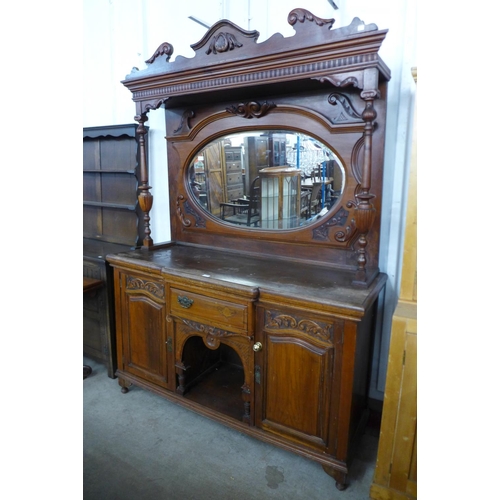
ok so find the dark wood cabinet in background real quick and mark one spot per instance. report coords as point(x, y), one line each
point(268, 331)
point(234, 173)
point(112, 222)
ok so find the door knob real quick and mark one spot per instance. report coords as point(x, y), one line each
point(257, 347)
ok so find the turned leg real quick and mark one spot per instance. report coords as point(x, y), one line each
point(339, 476)
point(124, 384)
point(180, 369)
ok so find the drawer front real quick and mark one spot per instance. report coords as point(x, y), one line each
point(235, 193)
point(233, 166)
point(234, 178)
point(233, 155)
point(208, 310)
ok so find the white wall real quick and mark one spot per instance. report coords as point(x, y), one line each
point(121, 34)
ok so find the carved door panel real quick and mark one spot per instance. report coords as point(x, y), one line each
point(145, 349)
point(294, 378)
point(214, 164)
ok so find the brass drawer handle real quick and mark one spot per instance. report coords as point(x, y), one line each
point(184, 301)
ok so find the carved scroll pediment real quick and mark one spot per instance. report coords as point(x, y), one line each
point(298, 17)
point(165, 49)
point(224, 36)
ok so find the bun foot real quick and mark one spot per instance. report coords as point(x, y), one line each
point(340, 486)
point(87, 370)
point(124, 385)
point(339, 476)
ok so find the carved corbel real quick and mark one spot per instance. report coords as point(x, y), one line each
point(354, 78)
point(189, 210)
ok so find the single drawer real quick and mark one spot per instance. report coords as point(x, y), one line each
point(233, 155)
point(235, 193)
point(234, 178)
point(208, 310)
point(233, 166)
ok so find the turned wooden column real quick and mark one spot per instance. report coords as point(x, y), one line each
point(364, 210)
point(145, 197)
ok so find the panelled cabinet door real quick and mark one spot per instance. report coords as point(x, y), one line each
point(293, 377)
point(145, 347)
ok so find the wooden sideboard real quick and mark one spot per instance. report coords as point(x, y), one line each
point(280, 355)
point(265, 328)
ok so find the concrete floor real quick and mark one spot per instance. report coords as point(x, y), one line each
point(139, 446)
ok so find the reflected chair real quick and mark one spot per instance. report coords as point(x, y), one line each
point(244, 212)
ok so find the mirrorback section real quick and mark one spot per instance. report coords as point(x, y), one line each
point(217, 150)
point(322, 88)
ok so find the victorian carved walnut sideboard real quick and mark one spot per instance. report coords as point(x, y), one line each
point(263, 323)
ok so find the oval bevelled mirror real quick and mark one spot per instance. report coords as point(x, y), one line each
point(267, 179)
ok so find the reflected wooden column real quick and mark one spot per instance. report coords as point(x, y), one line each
point(145, 197)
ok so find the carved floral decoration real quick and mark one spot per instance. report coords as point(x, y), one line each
point(222, 43)
point(344, 108)
point(251, 109)
point(152, 288)
point(285, 321)
point(339, 219)
point(210, 330)
point(189, 210)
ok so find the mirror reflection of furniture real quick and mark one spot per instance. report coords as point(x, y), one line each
point(313, 199)
point(280, 197)
point(220, 174)
point(244, 211)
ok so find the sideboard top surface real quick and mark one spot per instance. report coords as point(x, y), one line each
point(319, 286)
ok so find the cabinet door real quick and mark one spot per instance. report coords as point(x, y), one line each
point(143, 345)
point(294, 377)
